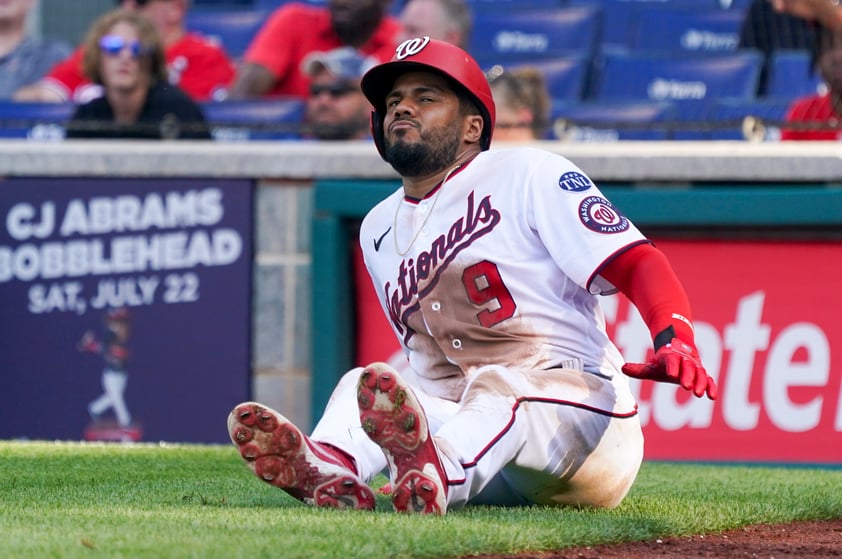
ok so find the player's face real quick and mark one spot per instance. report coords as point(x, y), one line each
point(120, 329)
point(423, 125)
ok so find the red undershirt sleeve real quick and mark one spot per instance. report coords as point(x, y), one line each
point(644, 275)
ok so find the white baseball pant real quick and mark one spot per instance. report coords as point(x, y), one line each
point(559, 436)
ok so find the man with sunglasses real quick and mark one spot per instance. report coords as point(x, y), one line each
point(199, 67)
point(336, 106)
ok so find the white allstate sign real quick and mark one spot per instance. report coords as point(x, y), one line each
point(744, 340)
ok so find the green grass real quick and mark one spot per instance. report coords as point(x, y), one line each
point(135, 501)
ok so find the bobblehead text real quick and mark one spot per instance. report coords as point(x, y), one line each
point(137, 248)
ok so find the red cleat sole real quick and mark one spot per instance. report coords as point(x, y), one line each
point(281, 455)
point(393, 418)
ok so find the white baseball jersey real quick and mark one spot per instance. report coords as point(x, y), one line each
point(498, 266)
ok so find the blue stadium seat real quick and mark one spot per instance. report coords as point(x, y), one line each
point(618, 21)
point(791, 75)
point(500, 36)
point(233, 28)
point(620, 17)
point(35, 121)
point(566, 76)
point(689, 78)
point(258, 119)
point(733, 112)
point(726, 120)
point(608, 122)
point(687, 30)
point(732, 4)
point(483, 5)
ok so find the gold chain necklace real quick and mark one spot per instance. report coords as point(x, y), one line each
point(427, 218)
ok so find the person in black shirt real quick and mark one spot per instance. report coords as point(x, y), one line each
point(124, 54)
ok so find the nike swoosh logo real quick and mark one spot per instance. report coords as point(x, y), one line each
point(377, 242)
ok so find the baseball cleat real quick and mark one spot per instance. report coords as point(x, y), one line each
point(393, 418)
point(281, 455)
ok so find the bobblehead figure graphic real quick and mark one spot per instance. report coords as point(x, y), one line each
point(114, 350)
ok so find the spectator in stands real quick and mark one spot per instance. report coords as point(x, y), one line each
point(336, 107)
point(199, 67)
point(769, 30)
point(271, 66)
point(125, 56)
point(825, 12)
point(24, 59)
point(445, 20)
point(815, 111)
point(523, 103)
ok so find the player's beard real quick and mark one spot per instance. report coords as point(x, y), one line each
point(436, 150)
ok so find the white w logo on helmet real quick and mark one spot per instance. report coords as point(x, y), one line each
point(411, 47)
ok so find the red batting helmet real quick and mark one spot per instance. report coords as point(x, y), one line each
point(420, 54)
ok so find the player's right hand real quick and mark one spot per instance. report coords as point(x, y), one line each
point(676, 362)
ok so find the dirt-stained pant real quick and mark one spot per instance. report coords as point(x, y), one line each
point(559, 436)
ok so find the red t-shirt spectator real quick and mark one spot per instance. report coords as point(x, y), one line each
point(293, 31)
point(198, 66)
point(814, 108)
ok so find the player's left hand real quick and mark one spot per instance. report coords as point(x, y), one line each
point(87, 343)
point(676, 362)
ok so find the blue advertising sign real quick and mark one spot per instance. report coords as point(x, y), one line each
point(124, 307)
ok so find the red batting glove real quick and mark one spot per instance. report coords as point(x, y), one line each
point(676, 362)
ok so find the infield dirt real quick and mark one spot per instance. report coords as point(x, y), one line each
point(802, 540)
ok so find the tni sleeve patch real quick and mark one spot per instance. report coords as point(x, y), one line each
point(574, 182)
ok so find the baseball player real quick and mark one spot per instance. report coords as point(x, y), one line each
point(115, 352)
point(489, 265)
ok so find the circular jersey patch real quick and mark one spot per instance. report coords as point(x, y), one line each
point(597, 214)
point(574, 182)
